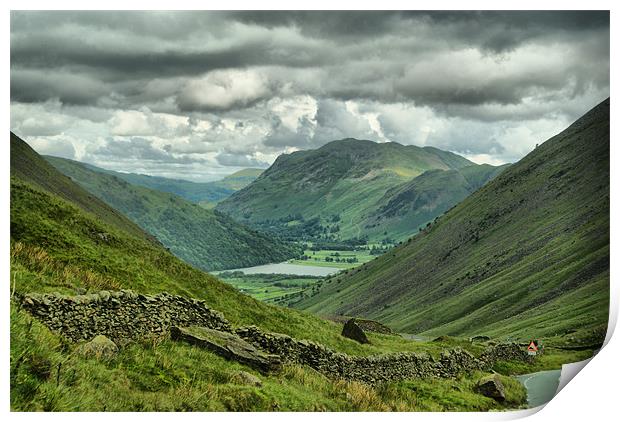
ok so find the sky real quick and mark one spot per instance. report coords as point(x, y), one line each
point(199, 95)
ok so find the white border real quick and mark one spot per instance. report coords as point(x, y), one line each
point(591, 396)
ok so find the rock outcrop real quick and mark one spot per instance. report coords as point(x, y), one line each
point(369, 325)
point(229, 346)
point(245, 378)
point(491, 386)
point(354, 332)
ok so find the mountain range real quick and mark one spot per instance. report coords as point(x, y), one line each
point(354, 188)
point(206, 194)
point(526, 255)
point(66, 241)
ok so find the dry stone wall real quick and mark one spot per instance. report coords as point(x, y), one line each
point(374, 369)
point(120, 315)
point(124, 315)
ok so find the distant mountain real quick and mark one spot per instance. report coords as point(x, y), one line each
point(352, 188)
point(204, 238)
point(208, 193)
point(526, 255)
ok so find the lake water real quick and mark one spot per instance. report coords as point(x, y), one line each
point(540, 386)
point(286, 268)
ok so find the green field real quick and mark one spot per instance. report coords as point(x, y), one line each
point(318, 258)
point(271, 288)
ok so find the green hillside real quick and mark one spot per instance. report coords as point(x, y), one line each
point(526, 255)
point(29, 167)
point(334, 192)
point(204, 238)
point(408, 207)
point(206, 192)
point(57, 246)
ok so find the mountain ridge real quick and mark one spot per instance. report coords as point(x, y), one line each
point(339, 185)
point(197, 192)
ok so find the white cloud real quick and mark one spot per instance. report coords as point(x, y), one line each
point(224, 89)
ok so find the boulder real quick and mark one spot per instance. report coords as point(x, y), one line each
point(229, 346)
point(491, 386)
point(245, 378)
point(353, 331)
point(99, 347)
point(480, 338)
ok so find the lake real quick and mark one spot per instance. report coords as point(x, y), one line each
point(286, 268)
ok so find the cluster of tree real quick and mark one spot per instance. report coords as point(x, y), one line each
point(379, 250)
point(353, 244)
point(310, 230)
point(350, 260)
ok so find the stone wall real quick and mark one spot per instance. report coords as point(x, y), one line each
point(373, 369)
point(120, 315)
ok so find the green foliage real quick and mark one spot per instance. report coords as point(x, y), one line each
point(525, 256)
point(337, 191)
point(204, 238)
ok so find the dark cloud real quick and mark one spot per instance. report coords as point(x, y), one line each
point(238, 88)
point(363, 55)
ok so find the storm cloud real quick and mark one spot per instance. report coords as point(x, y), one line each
point(217, 91)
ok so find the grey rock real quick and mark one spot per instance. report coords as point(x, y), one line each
point(353, 331)
point(229, 346)
point(245, 378)
point(99, 347)
point(491, 386)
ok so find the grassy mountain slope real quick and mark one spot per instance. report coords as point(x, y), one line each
point(526, 255)
point(30, 167)
point(206, 239)
point(408, 207)
point(58, 246)
point(207, 192)
point(340, 182)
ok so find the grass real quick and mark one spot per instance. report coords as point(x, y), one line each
point(525, 256)
point(551, 359)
